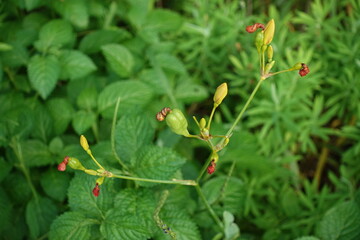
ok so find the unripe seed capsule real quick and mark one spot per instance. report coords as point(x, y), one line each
point(270, 53)
point(177, 122)
point(74, 163)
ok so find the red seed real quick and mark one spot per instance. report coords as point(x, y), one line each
point(211, 168)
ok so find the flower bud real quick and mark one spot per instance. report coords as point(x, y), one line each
point(269, 32)
point(84, 143)
point(270, 53)
point(74, 163)
point(214, 157)
point(297, 66)
point(220, 94)
point(202, 123)
point(177, 122)
point(96, 190)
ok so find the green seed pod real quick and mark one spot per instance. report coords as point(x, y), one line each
point(100, 180)
point(259, 40)
point(74, 163)
point(202, 123)
point(177, 122)
point(220, 94)
point(270, 53)
point(269, 66)
point(269, 32)
point(297, 66)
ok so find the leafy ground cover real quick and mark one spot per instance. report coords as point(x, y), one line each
point(103, 69)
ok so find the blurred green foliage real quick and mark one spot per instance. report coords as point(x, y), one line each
point(295, 157)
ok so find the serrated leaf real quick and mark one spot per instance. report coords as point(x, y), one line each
point(156, 163)
point(56, 146)
point(169, 62)
point(36, 153)
point(137, 202)
point(82, 121)
point(56, 33)
point(229, 197)
point(161, 20)
point(119, 58)
point(55, 184)
point(87, 99)
point(188, 92)
point(231, 230)
point(92, 42)
point(132, 94)
point(20, 191)
point(179, 222)
point(43, 123)
point(62, 112)
point(75, 64)
point(132, 133)
point(123, 226)
point(75, 11)
point(157, 79)
point(82, 200)
point(341, 222)
point(43, 74)
point(32, 4)
point(72, 225)
point(40, 212)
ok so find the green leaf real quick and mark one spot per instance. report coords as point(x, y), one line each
point(229, 197)
point(56, 146)
point(62, 112)
point(82, 200)
point(87, 99)
point(138, 10)
point(341, 222)
point(132, 133)
point(179, 222)
point(32, 4)
point(82, 121)
point(169, 62)
point(20, 191)
point(156, 163)
point(188, 92)
point(75, 64)
point(43, 123)
point(36, 153)
point(72, 225)
point(123, 226)
point(161, 20)
point(132, 94)
point(137, 202)
point(43, 74)
point(40, 212)
point(5, 209)
point(231, 230)
point(93, 42)
point(119, 58)
point(5, 168)
point(55, 184)
point(56, 33)
point(75, 11)
point(308, 238)
point(157, 79)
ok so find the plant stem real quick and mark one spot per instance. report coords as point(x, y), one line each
point(174, 181)
point(245, 106)
point(113, 126)
point(93, 158)
point(208, 207)
point(211, 117)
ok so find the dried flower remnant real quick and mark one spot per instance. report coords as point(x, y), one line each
point(253, 28)
point(211, 167)
point(96, 190)
point(160, 116)
point(304, 70)
point(62, 166)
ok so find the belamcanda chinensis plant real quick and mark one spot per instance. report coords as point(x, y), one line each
point(177, 122)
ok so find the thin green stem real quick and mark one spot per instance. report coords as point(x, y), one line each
point(208, 207)
point(93, 158)
point(174, 181)
point(113, 126)
point(275, 73)
point(245, 107)
point(211, 117)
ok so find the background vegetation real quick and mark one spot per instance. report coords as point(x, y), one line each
point(296, 152)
